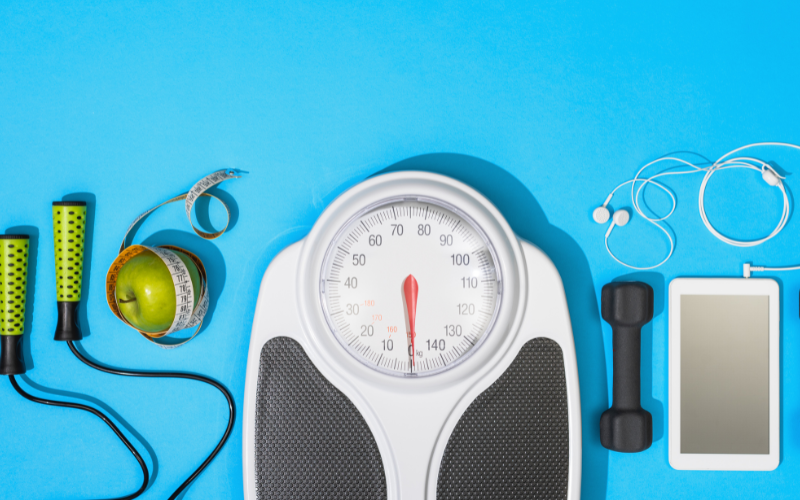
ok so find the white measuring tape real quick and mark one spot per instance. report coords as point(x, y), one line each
point(187, 314)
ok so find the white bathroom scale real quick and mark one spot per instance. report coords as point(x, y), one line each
point(411, 347)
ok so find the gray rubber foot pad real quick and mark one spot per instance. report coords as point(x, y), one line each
point(512, 443)
point(311, 441)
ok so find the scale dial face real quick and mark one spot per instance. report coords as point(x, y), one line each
point(410, 286)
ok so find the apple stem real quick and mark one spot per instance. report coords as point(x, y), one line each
point(121, 301)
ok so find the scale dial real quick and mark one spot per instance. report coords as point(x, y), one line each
point(410, 286)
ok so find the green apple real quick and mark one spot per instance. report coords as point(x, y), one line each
point(146, 293)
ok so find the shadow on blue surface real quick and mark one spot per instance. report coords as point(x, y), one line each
point(30, 293)
point(649, 403)
point(528, 221)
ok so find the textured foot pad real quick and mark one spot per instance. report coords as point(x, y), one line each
point(311, 441)
point(512, 443)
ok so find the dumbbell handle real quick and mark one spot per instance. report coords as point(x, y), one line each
point(627, 343)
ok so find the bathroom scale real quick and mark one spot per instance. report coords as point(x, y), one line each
point(411, 347)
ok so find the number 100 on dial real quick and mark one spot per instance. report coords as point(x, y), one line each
point(410, 287)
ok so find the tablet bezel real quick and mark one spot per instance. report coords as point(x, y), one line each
point(723, 286)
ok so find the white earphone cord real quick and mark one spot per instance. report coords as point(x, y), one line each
point(767, 172)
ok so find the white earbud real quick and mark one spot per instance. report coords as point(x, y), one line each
point(621, 217)
point(601, 215)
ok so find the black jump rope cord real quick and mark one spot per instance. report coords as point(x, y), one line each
point(102, 417)
point(99, 414)
point(155, 374)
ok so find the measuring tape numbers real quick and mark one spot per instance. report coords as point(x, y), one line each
point(187, 314)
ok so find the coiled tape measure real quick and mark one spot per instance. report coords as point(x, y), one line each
point(189, 312)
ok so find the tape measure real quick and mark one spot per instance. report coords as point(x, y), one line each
point(188, 312)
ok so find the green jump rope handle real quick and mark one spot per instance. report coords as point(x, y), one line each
point(13, 291)
point(69, 229)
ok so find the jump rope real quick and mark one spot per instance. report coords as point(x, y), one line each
point(69, 226)
point(727, 161)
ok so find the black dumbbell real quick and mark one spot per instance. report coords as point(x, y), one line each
point(627, 307)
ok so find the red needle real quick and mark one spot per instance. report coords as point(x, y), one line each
point(410, 291)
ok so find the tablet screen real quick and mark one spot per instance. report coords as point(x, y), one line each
point(724, 374)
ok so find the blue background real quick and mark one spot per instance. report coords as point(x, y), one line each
point(544, 107)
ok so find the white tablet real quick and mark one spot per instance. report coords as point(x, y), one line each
point(724, 386)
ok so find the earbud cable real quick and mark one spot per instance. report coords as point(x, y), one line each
point(102, 417)
point(721, 164)
point(190, 376)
